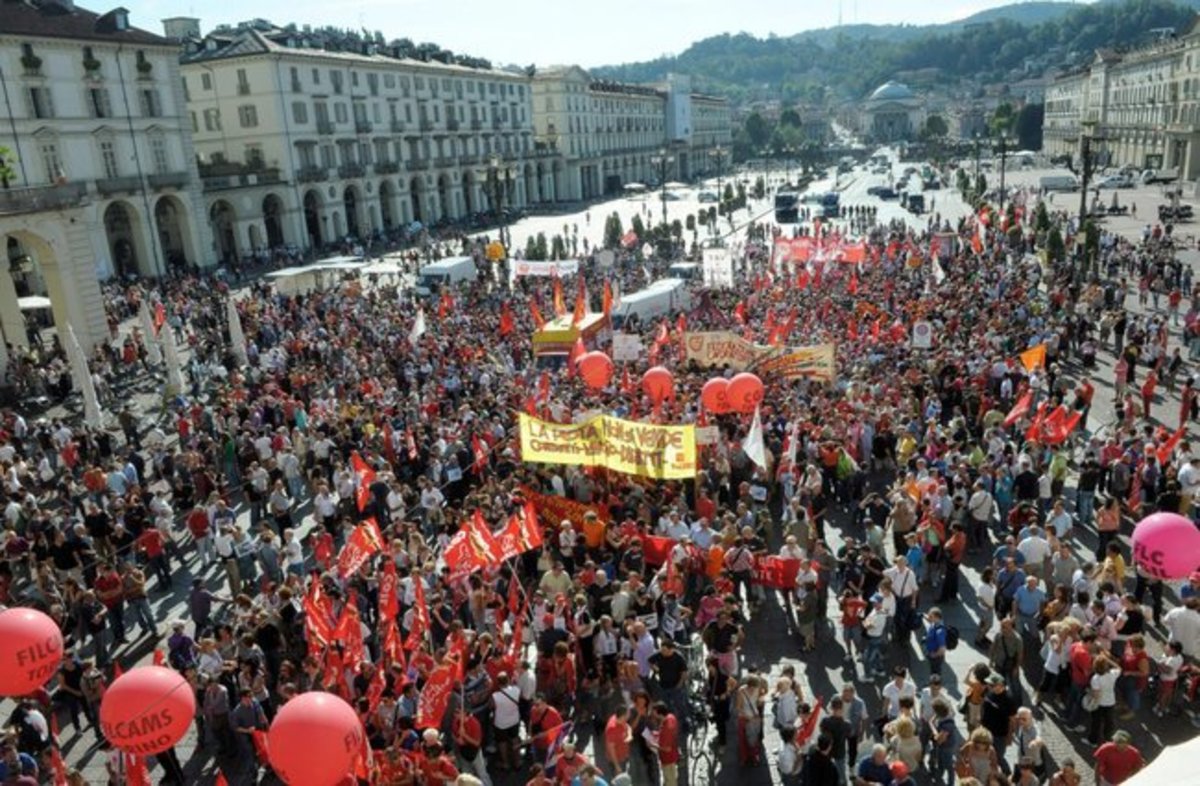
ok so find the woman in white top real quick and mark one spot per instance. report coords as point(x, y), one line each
point(785, 706)
point(1104, 689)
point(1053, 660)
point(985, 593)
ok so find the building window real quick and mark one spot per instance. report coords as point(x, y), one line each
point(99, 103)
point(158, 155)
point(254, 156)
point(316, 77)
point(151, 107)
point(373, 84)
point(51, 161)
point(108, 158)
point(212, 119)
point(248, 116)
point(206, 81)
point(299, 113)
point(335, 78)
point(195, 122)
point(296, 86)
point(339, 113)
point(243, 84)
point(40, 105)
point(354, 78)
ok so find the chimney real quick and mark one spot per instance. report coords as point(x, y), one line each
point(181, 28)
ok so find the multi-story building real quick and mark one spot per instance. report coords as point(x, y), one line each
point(611, 133)
point(305, 140)
point(99, 176)
point(1142, 107)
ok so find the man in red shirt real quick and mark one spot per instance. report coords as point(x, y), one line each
point(1117, 761)
point(468, 739)
point(1080, 660)
point(436, 767)
point(570, 763)
point(111, 594)
point(543, 720)
point(151, 544)
point(668, 743)
point(201, 529)
point(617, 737)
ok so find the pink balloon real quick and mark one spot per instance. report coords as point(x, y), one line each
point(1166, 545)
point(745, 392)
point(31, 648)
point(147, 710)
point(715, 395)
point(314, 740)
point(595, 368)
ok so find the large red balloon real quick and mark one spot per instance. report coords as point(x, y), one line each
point(596, 369)
point(314, 740)
point(147, 710)
point(658, 384)
point(715, 395)
point(1166, 545)
point(745, 392)
point(31, 647)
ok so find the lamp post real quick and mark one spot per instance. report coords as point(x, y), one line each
point(1087, 163)
point(718, 154)
point(497, 189)
point(662, 160)
point(1003, 141)
point(975, 184)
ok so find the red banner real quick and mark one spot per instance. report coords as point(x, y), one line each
point(364, 477)
point(554, 509)
point(389, 599)
point(318, 618)
point(1020, 409)
point(420, 620)
point(435, 697)
point(776, 572)
point(349, 634)
point(656, 549)
point(360, 547)
point(473, 547)
point(520, 534)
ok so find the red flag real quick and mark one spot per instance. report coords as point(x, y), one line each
point(739, 312)
point(219, 779)
point(359, 547)
point(1167, 448)
point(577, 351)
point(529, 521)
point(260, 746)
point(673, 582)
point(389, 438)
point(473, 547)
point(543, 389)
point(420, 620)
point(445, 305)
point(365, 476)
point(349, 634)
point(480, 454)
point(681, 324)
point(160, 317)
point(135, 771)
point(1019, 409)
point(435, 698)
point(159, 656)
point(852, 288)
point(608, 300)
point(802, 279)
point(769, 326)
point(852, 329)
point(560, 306)
point(656, 549)
point(323, 550)
point(389, 596)
point(507, 323)
point(58, 766)
point(875, 329)
point(393, 647)
point(977, 242)
point(580, 302)
point(536, 313)
point(627, 386)
point(776, 572)
point(318, 617)
point(809, 729)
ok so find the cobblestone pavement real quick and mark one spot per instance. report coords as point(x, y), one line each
point(771, 643)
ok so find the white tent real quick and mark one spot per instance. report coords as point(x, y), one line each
point(236, 337)
point(152, 353)
point(83, 379)
point(1176, 764)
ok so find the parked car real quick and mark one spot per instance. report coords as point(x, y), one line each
point(1158, 176)
point(1115, 181)
point(707, 196)
point(886, 193)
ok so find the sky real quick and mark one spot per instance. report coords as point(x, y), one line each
point(551, 32)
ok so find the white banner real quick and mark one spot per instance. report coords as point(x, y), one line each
point(922, 334)
point(560, 268)
point(718, 268)
point(627, 347)
point(707, 435)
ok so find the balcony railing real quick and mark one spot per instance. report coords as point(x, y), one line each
point(351, 170)
point(387, 167)
point(397, 127)
point(168, 180)
point(418, 164)
point(243, 89)
point(242, 179)
point(39, 198)
point(362, 126)
point(426, 125)
point(444, 161)
point(324, 127)
point(476, 124)
point(452, 124)
point(466, 159)
point(311, 174)
point(118, 185)
point(497, 123)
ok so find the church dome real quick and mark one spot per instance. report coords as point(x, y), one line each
point(892, 91)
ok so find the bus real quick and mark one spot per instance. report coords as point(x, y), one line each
point(787, 207)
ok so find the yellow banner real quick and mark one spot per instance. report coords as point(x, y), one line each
point(645, 449)
point(816, 362)
point(722, 348)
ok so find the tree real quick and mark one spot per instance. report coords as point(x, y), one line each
point(1041, 218)
point(1003, 120)
point(7, 173)
point(541, 246)
point(1028, 126)
point(531, 249)
point(677, 228)
point(934, 128)
point(962, 182)
point(690, 223)
point(758, 131)
point(1055, 248)
point(637, 226)
point(760, 187)
point(612, 231)
point(558, 248)
point(790, 117)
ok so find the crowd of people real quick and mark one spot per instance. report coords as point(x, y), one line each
point(594, 658)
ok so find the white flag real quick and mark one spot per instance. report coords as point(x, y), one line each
point(418, 328)
point(753, 444)
point(793, 443)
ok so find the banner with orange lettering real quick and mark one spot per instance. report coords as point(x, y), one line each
point(644, 449)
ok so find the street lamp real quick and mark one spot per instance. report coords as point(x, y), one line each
point(662, 161)
point(718, 154)
point(978, 140)
point(1087, 163)
point(1003, 140)
point(494, 165)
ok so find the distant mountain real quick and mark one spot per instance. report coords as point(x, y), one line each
point(994, 46)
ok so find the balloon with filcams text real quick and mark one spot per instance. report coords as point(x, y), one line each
point(147, 710)
point(31, 649)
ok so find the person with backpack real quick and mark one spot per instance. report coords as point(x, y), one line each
point(945, 741)
point(935, 643)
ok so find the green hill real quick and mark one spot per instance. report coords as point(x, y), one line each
point(998, 45)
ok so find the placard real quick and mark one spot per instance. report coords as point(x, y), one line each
point(644, 449)
point(627, 347)
point(560, 268)
point(718, 268)
point(922, 333)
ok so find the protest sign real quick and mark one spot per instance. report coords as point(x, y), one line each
point(645, 449)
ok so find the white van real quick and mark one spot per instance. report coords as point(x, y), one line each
point(1058, 183)
point(657, 300)
point(445, 272)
